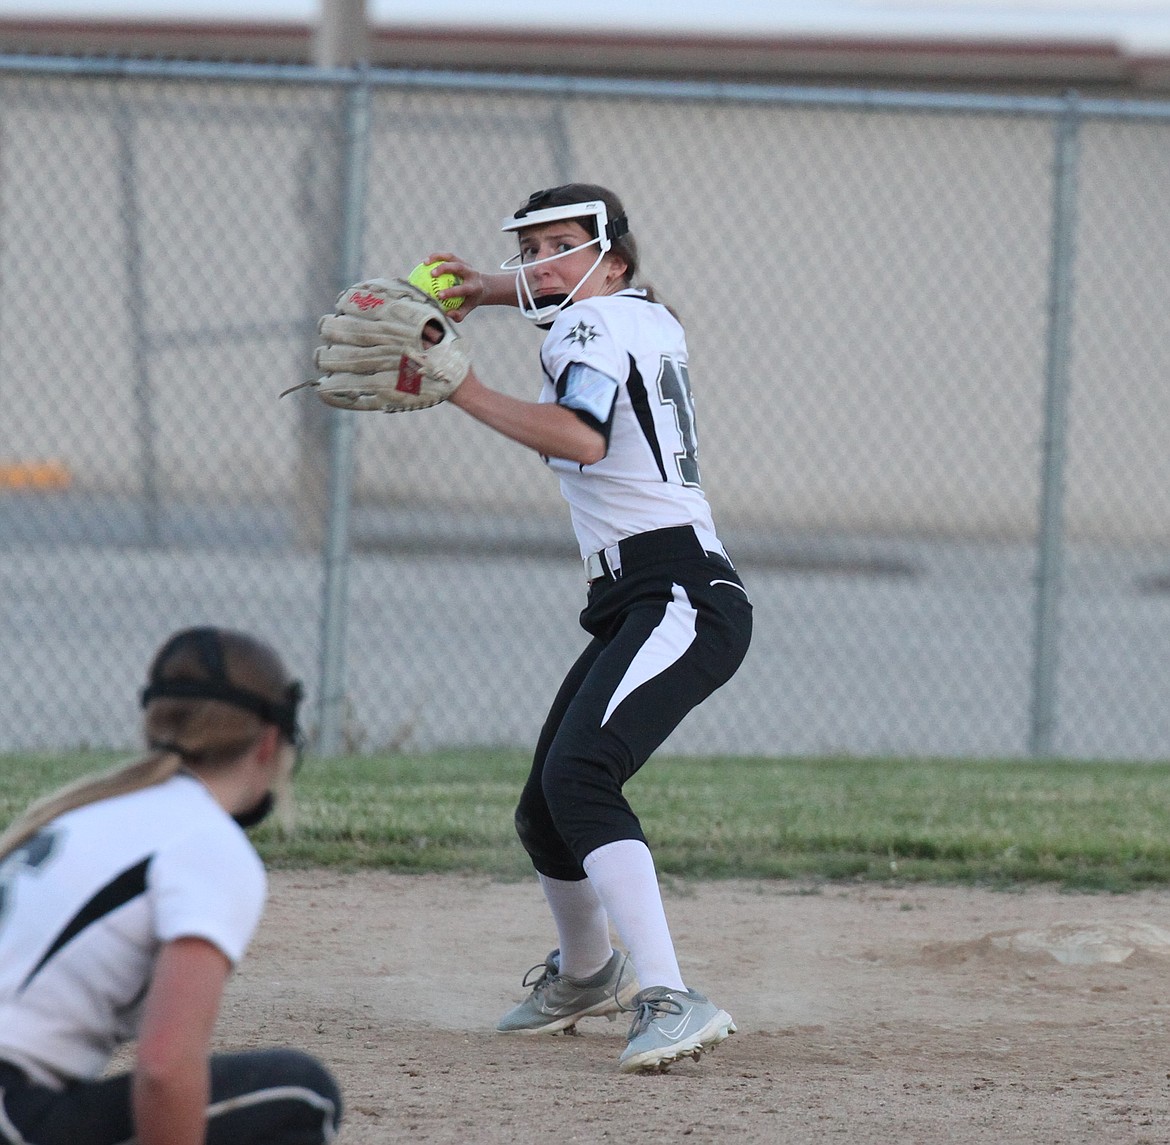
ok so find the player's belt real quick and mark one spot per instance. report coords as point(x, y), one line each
point(678, 543)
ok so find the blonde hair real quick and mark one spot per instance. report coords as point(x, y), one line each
point(183, 727)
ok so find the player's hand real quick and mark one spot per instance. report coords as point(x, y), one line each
point(476, 289)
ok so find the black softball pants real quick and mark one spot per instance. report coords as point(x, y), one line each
point(260, 1097)
point(667, 632)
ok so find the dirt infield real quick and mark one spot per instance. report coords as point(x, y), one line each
point(866, 1014)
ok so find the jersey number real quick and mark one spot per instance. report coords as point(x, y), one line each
point(674, 389)
point(30, 855)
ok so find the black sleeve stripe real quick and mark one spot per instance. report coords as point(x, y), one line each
point(117, 892)
point(602, 427)
point(641, 403)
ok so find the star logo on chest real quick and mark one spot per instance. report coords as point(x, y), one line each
point(582, 333)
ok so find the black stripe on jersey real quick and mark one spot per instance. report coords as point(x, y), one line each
point(641, 403)
point(117, 892)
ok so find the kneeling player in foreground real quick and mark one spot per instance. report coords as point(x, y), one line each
point(126, 900)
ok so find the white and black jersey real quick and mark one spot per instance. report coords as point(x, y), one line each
point(619, 361)
point(85, 905)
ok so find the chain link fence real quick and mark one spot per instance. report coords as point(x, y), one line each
point(930, 351)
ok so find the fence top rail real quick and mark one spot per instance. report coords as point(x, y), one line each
point(563, 85)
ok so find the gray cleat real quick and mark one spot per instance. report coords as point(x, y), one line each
point(669, 1025)
point(558, 1001)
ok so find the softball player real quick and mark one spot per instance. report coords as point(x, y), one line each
point(669, 618)
point(125, 902)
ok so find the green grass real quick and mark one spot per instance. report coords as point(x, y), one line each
point(1100, 825)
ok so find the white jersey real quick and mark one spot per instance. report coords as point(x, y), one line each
point(85, 905)
point(636, 390)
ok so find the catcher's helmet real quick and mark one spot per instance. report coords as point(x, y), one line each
point(584, 203)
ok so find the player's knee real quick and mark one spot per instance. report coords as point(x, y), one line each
point(300, 1070)
point(280, 1095)
point(306, 1070)
point(527, 831)
point(580, 789)
point(547, 850)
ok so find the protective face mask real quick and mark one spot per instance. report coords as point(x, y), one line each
point(257, 813)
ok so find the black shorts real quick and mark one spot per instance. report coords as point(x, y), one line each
point(263, 1097)
point(667, 632)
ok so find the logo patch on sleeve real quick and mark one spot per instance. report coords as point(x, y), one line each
point(582, 334)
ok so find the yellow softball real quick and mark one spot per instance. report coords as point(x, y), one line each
point(421, 277)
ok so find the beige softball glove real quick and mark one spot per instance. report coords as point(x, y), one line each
point(388, 346)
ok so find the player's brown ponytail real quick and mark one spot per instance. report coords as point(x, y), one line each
point(625, 246)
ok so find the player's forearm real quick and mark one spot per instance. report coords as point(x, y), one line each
point(549, 429)
point(171, 1109)
point(499, 289)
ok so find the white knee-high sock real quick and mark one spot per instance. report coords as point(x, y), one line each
point(582, 925)
point(623, 875)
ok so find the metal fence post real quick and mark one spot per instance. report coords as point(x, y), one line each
point(146, 426)
point(342, 427)
point(1050, 555)
point(562, 146)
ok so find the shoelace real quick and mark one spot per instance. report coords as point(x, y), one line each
point(647, 1009)
point(548, 971)
point(617, 982)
